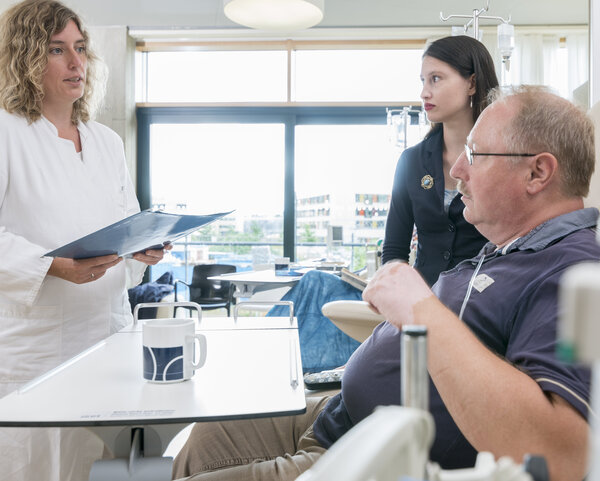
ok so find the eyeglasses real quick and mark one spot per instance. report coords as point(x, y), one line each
point(470, 154)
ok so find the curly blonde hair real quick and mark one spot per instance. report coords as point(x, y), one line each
point(25, 32)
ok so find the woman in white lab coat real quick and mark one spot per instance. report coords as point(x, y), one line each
point(62, 176)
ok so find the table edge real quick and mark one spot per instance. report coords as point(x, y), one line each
point(149, 421)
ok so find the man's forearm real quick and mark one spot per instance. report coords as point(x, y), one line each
point(496, 406)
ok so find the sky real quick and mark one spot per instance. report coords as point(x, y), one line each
point(218, 167)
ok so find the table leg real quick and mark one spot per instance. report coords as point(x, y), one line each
point(137, 450)
point(243, 290)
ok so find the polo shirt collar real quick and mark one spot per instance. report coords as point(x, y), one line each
point(546, 233)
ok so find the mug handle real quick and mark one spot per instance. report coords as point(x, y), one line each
point(202, 343)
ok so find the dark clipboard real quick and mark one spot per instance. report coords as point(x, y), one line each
point(144, 230)
point(353, 279)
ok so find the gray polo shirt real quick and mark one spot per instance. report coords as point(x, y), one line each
point(512, 309)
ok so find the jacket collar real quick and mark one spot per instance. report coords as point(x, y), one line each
point(434, 151)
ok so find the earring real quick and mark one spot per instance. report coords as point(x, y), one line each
point(471, 101)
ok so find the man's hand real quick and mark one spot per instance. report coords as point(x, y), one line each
point(395, 291)
point(152, 256)
point(81, 271)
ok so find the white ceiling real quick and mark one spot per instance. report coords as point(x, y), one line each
point(338, 13)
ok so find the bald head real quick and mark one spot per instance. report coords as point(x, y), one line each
point(545, 122)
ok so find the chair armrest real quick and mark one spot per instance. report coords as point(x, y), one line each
point(391, 443)
point(232, 292)
point(354, 318)
point(166, 311)
point(179, 281)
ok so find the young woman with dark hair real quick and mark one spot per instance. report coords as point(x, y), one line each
point(457, 75)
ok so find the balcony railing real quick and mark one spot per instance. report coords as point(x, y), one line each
point(352, 252)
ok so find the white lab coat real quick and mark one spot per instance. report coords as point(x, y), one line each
point(50, 195)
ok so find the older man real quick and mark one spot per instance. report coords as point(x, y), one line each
point(524, 172)
point(496, 383)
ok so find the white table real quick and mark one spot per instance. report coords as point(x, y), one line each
point(253, 369)
point(249, 282)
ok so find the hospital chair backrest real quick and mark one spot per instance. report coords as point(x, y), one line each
point(392, 442)
point(354, 318)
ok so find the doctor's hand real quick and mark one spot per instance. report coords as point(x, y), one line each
point(395, 291)
point(81, 271)
point(152, 256)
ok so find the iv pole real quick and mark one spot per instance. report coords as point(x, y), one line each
point(505, 34)
point(474, 19)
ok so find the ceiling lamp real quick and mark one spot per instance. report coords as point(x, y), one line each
point(275, 14)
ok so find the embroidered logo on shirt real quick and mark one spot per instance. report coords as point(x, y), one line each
point(482, 282)
point(427, 182)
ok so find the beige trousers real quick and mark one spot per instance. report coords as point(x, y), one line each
point(263, 449)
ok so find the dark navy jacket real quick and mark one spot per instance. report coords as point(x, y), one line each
point(445, 239)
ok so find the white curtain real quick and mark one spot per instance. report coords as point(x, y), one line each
point(534, 60)
point(540, 59)
point(579, 73)
point(543, 59)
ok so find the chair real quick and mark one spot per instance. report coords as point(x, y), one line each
point(392, 442)
point(156, 291)
point(210, 294)
point(354, 318)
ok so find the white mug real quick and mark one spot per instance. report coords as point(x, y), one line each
point(168, 350)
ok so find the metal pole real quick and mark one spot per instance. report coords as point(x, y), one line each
point(476, 24)
point(414, 379)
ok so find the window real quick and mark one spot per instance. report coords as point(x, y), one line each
point(292, 134)
point(344, 176)
point(203, 168)
point(217, 76)
point(351, 75)
point(293, 155)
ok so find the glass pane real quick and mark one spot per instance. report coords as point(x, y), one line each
point(206, 168)
point(344, 176)
point(357, 75)
point(217, 76)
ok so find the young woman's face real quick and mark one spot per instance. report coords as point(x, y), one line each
point(64, 78)
point(445, 93)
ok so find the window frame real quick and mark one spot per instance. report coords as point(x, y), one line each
point(290, 113)
point(289, 116)
point(288, 45)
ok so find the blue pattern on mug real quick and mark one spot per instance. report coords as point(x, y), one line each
point(163, 363)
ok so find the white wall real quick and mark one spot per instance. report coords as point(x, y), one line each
point(594, 196)
point(594, 51)
point(117, 49)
